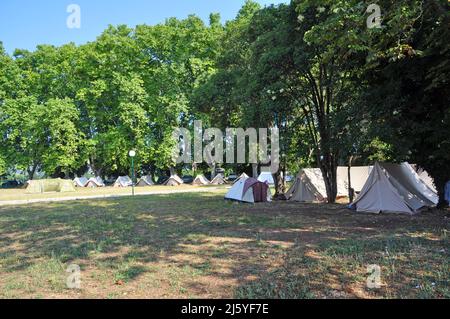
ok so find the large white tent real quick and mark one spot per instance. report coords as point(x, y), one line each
point(123, 181)
point(266, 177)
point(394, 188)
point(309, 186)
point(80, 181)
point(201, 180)
point(246, 189)
point(49, 185)
point(145, 181)
point(174, 180)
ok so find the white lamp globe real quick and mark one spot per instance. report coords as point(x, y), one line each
point(132, 153)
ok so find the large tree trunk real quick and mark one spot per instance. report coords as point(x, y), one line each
point(172, 171)
point(328, 166)
point(151, 172)
point(279, 184)
point(213, 170)
point(327, 159)
point(440, 183)
point(440, 176)
point(194, 168)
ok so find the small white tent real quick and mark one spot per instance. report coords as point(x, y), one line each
point(174, 180)
point(201, 180)
point(95, 182)
point(80, 181)
point(394, 188)
point(145, 181)
point(246, 189)
point(266, 177)
point(218, 180)
point(123, 181)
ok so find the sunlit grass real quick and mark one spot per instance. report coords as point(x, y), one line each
point(198, 245)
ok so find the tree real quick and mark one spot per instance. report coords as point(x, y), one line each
point(180, 54)
point(408, 100)
point(317, 80)
point(40, 136)
point(220, 94)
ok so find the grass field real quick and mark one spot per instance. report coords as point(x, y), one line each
point(198, 245)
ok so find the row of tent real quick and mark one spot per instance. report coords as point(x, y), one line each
point(125, 181)
point(200, 180)
point(383, 187)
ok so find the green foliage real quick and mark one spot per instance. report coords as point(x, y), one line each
point(408, 91)
point(335, 89)
point(40, 135)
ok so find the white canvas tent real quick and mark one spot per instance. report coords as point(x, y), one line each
point(240, 194)
point(49, 185)
point(80, 181)
point(266, 177)
point(95, 182)
point(201, 180)
point(394, 188)
point(358, 175)
point(309, 186)
point(174, 180)
point(218, 180)
point(123, 181)
point(427, 179)
point(145, 181)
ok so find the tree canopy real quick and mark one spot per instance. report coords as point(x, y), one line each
point(339, 90)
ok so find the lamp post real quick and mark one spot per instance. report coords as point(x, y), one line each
point(132, 154)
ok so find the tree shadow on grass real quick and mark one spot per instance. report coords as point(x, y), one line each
point(200, 236)
point(338, 269)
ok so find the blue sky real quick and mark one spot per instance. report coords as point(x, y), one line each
point(27, 23)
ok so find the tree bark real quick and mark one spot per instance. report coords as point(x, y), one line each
point(279, 184)
point(440, 187)
point(351, 192)
point(97, 171)
point(31, 172)
point(213, 170)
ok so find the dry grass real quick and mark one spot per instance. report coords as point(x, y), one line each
point(198, 245)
